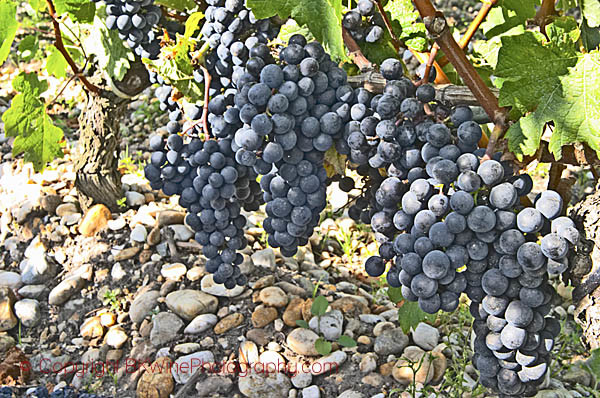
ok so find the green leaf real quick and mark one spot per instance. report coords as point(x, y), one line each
point(28, 47)
point(572, 104)
point(80, 10)
point(302, 323)
point(346, 341)
point(56, 64)
point(501, 21)
point(191, 24)
point(395, 294)
point(8, 27)
point(530, 69)
point(179, 5)
point(381, 50)
point(319, 306)
point(176, 68)
point(591, 12)
point(322, 346)
point(524, 9)
point(589, 36)
point(110, 51)
point(323, 18)
point(593, 363)
point(334, 162)
point(410, 315)
point(26, 119)
point(412, 32)
point(291, 28)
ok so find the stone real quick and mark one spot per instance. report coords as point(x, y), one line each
point(185, 366)
point(36, 271)
point(107, 318)
point(439, 364)
point(311, 392)
point(186, 348)
point(248, 353)
point(10, 279)
point(50, 202)
point(138, 234)
point(208, 285)
point(329, 325)
point(127, 253)
point(577, 375)
point(302, 341)
point(34, 291)
point(116, 337)
point(182, 232)
point(426, 336)
point(264, 258)
point(165, 327)
point(189, 303)
point(71, 218)
point(116, 225)
point(142, 305)
point(28, 312)
point(259, 336)
point(157, 380)
point(91, 328)
point(65, 289)
point(212, 385)
point(293, 312)
point(370, 319)
point(170, 217)
point(273, 296)
point(329, 363)
point(153, 237)
point(351, 394)
point(174, 271)
point(382, 327)
point(134, 198)
point(229, 322)
point(301, 379)
point(350, 306)
point(262, 316)
point(405, 374)
point(95, 220)
point(307, 309)
point(8, 320)
point(263, 282)
point(373, 379)
point(368, 363)
point(391, 342)
point(264, 385)
point(201, 323)
point(66, 208)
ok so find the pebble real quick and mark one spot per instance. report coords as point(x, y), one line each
point(426, 336)
point(174, 271)
point(301, 379)
point(158, 383)
point(370, 318)
point(170, 217)
point(391, 341)
point(182, 232)
point(264, 385)
point(186, 348)
point(189, 303)
point(201, 323)
point(311, 392)
point(229, 322)
point(139, 234)
point(117, 272)
point(34, 291)
point(134, 198)
point(264, 258)
point(368, 363)
point(329, 324)
point(91, 328)
point(351, 394)
point(165, 327)
point(126, 254)
point(185, 366)
point(65, 289)
point(49, 203)
point(259, 336)
point(213, 385)
point(293, 312)
point(28, 311)
point(262, 316)
point(273, 296)
point(331, 362)
point(116, 225)
point(405, 374)
point(116, 337)
point(382, 327)
point(10, 279)
point(302, 341)
point(208, 285)
point(142, 305)
point(66, 208)
point(96, 218)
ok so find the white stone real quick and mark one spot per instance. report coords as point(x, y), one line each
point(184, 367)
point(139, 234)
point(117, 272)
point(134, 198)
point(115, 225)
point(331, 362)
point(174, 271)
point(201, 323)
point(301, 379)
point(426, 336)
point(311, 392)
point(182, 232)
point(264, 258)
point(208, 285)
point(28, 311)
point(10, 279)
point(330, 324)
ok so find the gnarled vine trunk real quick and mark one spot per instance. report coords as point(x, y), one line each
point(98, 179)
point(584, 270)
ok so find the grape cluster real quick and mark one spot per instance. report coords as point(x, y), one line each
point(135, 20)
point(64, 392)
point(364, 22)
point(6, 392)
point(364, 206)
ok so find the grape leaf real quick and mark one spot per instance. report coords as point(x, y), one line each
point(8, 27)
point(322, 346)
point(323, 18)
point(524, 9)
point(413, 32)
point(410, 315)
point(334, 162)
point(530, 70)
point(501, 21)
point(56, 64)
point(28, 47)
point(80, 10)
point(179, 5)
point(191, 24)
point(395, 294)
point(381, 50)
point(591, 12)
point(175, 66)
point(572, 104)
point(589, 36)
point(290, 28)
point(111, 53)
point(27, 120)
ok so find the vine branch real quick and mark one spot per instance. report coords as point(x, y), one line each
point(395, 41)
point(355, 52)
point(60, 46)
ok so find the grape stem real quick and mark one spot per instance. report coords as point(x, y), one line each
point(207, 80)
point(541, 17)
point(60, 46)
point(438, 27)
point(430, 61)
point(356, 53)
point(395, 41)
